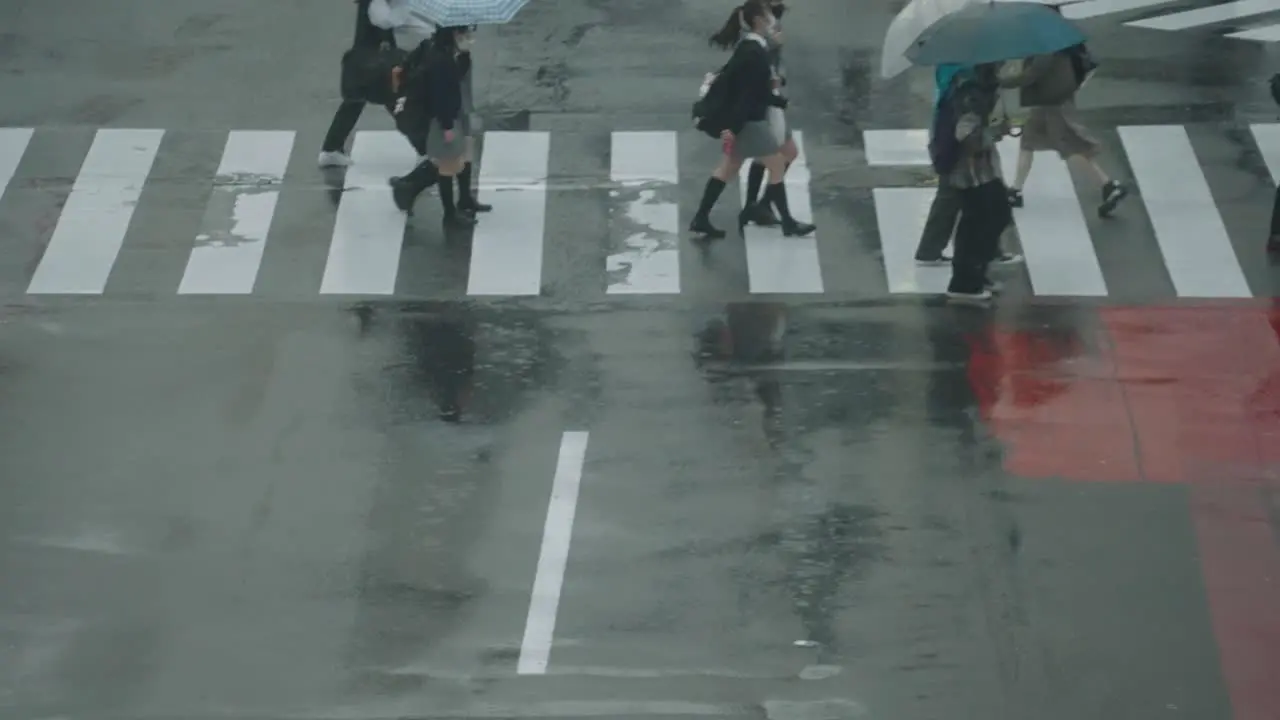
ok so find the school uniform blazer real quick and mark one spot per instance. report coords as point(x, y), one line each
point(445, 89)
point(751, 72)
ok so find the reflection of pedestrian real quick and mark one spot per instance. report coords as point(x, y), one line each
point(444, 355)
point(1048, 88)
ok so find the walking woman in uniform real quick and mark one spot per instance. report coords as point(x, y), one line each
point(762, 214)
point(749, 134)
point(447, 133)
point(369, 35)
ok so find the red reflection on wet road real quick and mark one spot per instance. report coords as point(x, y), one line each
point(1172, 395)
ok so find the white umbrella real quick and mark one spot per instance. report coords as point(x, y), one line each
point(907, 26)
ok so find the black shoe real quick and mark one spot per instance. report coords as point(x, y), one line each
point(459, 220)
point(473, 207)
point(1112, 193)
point(793, 228)
point(702, 226)
point(761, 214)
point(1015, 198)
point(402, 193)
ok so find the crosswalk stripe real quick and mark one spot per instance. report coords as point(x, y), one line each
point(1097, 8)
point(228, 251)
point(901, 213)
point(13, 145)
point(1266, 33)
point(96, 216)
point(1192, 237)
point(646, 165)
point(1055, 237)
point(506, 248)
point(1207, 15)
point(779, 264)
point(369, 231)
point(1267, 138)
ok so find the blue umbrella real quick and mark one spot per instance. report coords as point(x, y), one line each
point(455, 13)
point(990, 32)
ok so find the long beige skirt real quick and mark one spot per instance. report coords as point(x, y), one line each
point(1055, 128)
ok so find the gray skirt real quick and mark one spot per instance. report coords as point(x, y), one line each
point(440, 149)
point(755, 141)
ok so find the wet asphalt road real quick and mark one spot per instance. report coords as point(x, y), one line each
point(262, 509)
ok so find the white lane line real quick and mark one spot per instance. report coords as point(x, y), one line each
point(1060, 257)
point(1208, 15)
point(1266, 33)
point(776, 263)
point(1095, 8)
point(13, 145)
point(896, 147)
point(1267, 137)
point(229, 248)
point(506, 246)
point(1193, 239)
point(901, 214)
point(96, 216)
point(648, 259)
point(544, 603)
point(368, 233)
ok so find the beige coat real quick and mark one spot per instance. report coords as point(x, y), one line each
point(1044, 80)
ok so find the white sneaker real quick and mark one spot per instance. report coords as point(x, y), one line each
point(977, 298)
point(336, 158)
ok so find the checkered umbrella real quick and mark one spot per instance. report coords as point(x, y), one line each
point(453, 13)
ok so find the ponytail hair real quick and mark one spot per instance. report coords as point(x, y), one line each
point(739, 22)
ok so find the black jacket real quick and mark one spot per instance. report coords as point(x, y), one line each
point(444, 87)
point(369, 35)
point(751, 74)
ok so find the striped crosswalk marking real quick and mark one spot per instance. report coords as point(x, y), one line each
point(1267, 137)
point(369, 231)
point(13, 145)
point(1055, 238)
point(901, 212)
point(1208, 15)
point(1097, 8)
point(506, 249)
point(1188, 228)
point(646, 255)
point(228, 250)
point(1265, 33)
point(96, 216)
point(779, 264)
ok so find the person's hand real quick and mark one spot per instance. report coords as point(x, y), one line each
point(776, 37)
point(448, 136)
point(726, 135)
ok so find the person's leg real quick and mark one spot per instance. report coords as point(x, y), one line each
point(340, 128)
point(967, 260)
point(776, 194)
point(941, 223)
point(466, 198)
point(701, 223)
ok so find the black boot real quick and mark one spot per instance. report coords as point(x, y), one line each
point(451, 214)
point(406, 189)
point(756, 212)
point(777, 194)
point(701, 223)
point(466, 200)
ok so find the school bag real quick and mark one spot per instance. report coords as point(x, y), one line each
point(712, 109)
point(1082, 63)
point(366, 73)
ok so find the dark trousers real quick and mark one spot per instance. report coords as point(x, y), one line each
point(984, 214)
point(344, 121)
point(943, 214)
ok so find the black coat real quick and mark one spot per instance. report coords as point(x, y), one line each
point(750, 71)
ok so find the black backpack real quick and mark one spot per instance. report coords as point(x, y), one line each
point(1082, 62)
point(366, 73)
point(711, 111)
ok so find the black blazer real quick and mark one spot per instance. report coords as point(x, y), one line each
point(751, 73)
point(444, 87)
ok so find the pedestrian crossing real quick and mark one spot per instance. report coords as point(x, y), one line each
point(136, 215)
point(1238, 19)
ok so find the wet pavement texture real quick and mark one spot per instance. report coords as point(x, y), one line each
point(806, 510)
point(882, 511)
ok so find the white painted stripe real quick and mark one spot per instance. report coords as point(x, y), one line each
point(901, 215)
point(1095, 8)
point(1197, 250)
point(896, 147)
point(557, 532)
point(1060, 257)
point(13, 145)
point(97, 213)
point(648, 261)
point(1266, 33)
point(1267, 137)
point(364, 255)
point(506, 249)
point(778, 264)
point(1208, 15)
point(228, 250)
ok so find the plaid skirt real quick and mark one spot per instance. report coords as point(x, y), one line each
point(762, 138)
